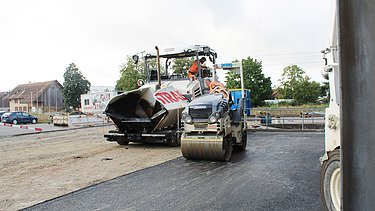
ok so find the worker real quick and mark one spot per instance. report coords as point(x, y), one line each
point(216, 87)
point(193, 71)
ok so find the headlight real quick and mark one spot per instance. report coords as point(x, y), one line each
point(187, 119)
point(212, 119)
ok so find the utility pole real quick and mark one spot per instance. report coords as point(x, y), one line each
point(2, 98)
point(37, 103)
point(31, 102)
point(356, 61)
point(56, 99)
point(49, 99)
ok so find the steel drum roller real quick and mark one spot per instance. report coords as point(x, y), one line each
point(207, 148)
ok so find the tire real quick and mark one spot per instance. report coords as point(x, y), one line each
point(15, 121)
point(122, 143)
point(34, 121)
point(242, 147)
point(228, 147)
point(113, 131)
point(176, 142)
point(330, 186)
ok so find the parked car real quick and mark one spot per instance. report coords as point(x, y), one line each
point(18, 117)
point(1, 114)
point(312, 114)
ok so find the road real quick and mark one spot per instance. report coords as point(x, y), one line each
point(278, 171)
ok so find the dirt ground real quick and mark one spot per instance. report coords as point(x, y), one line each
point(38, 167)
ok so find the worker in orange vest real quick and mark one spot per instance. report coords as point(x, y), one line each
point(216, 87)
point(193, 71)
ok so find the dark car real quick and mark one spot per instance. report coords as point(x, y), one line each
point(1, 113)
point(19, 117)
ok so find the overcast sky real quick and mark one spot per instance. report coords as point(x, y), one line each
point(40, 38)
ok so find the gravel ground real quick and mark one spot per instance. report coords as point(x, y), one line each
point(38, 167)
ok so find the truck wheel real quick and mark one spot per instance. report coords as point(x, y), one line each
point(242, 147)
point(123, 142)
point(112, 131)
point(330, 186)
point(176, 142)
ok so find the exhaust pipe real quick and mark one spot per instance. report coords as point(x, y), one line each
point(158, 67)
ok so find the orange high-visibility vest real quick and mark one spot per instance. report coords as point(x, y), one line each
point(214, 84)
point(193, 69)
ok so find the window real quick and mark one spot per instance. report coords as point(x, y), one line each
point(87, 102)
point(16, 109)
point(24, 108)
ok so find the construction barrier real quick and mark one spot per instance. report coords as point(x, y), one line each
point(22, 126)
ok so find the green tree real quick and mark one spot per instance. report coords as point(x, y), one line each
point(296, 85)
point(181, 65)
point(325, 88)
point(75, 84)
point(254, 80)
point(130, 73)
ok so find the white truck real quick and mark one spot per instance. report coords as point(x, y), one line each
point(330, 182)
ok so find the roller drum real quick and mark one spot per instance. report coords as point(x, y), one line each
point(207, 148)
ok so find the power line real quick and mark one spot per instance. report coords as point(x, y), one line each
point(279, 54)
point(295, 62)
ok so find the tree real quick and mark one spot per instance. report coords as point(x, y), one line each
point(254, 80)
point(75, 84)
point(325, 88)
point(296, 85)
point(130, 73)
point(181, 65)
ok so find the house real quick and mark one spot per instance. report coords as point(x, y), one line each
point(37, 97)
point(4, 102)
point(97, 99)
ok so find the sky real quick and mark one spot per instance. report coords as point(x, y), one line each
point(40, 38)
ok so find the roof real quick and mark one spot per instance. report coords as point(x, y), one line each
point(24, 91)
point(3, 94)
point(180, 52)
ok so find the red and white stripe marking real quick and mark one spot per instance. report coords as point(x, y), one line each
point(22, 126)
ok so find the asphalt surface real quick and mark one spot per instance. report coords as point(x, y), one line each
point(278, 171)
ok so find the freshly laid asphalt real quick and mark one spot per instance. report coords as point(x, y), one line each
point(278, 171)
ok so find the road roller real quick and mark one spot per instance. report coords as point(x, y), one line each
point(211, 127)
